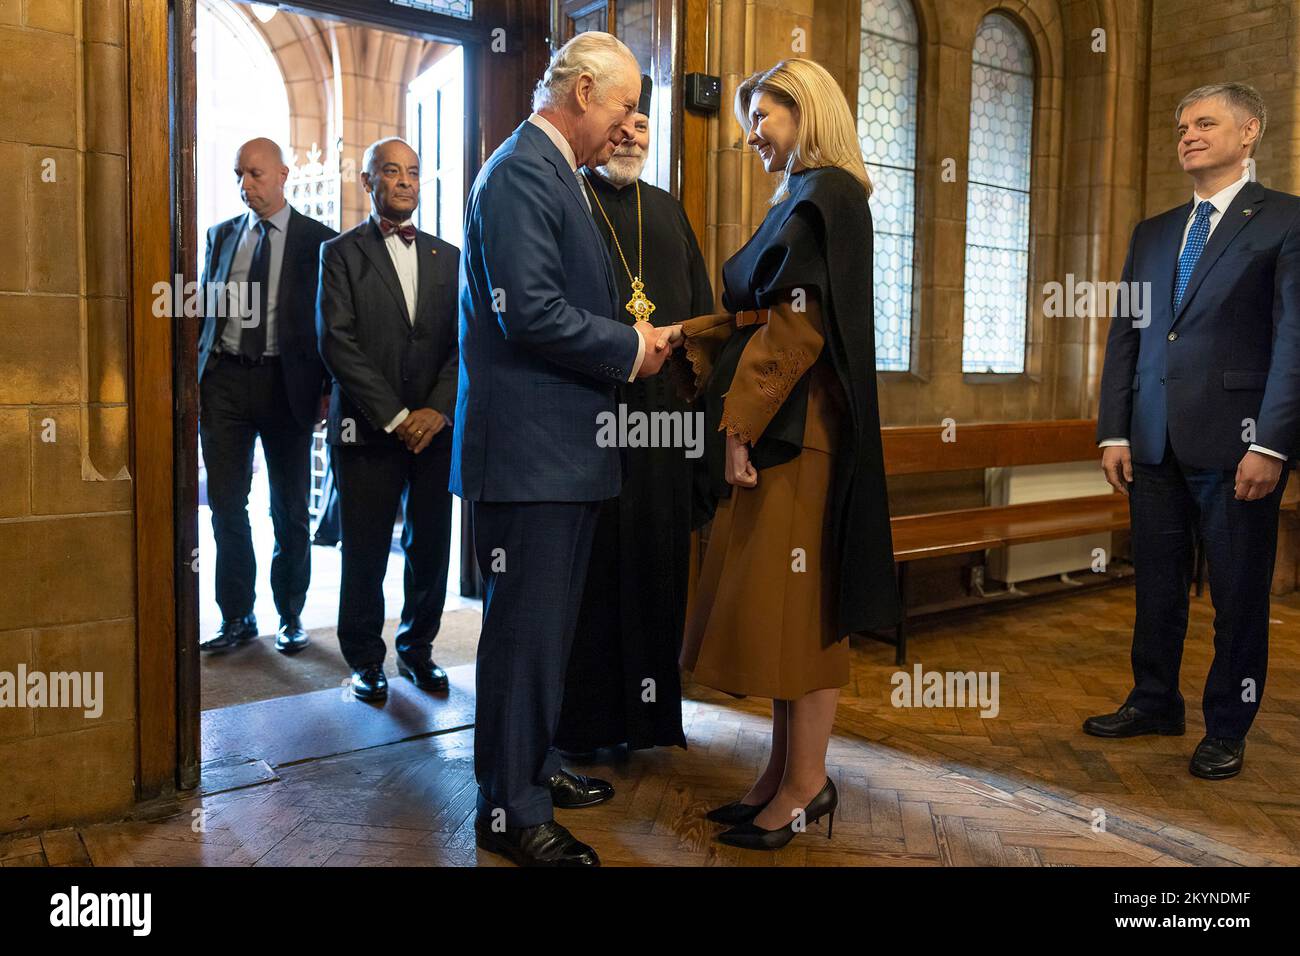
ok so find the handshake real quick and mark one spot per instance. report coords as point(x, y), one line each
point(659, 344)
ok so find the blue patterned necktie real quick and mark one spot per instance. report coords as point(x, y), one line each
point(1196, 237)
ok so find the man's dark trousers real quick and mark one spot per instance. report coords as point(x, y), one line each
point(533, 556)
point(1168, 504)
point(238, 404)
point(374, 479)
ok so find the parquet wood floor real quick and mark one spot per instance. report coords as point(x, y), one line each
point(919, 787)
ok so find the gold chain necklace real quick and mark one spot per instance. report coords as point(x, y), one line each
point(640, 307)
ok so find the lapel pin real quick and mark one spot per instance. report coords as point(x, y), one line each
point(1246, 212)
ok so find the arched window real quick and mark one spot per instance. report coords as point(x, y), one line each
point(888, 67)
point(997, 198)
point(240, 96)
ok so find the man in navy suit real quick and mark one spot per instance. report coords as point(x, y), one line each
point(540, 354)
point(260, 374)
point(1200, 408)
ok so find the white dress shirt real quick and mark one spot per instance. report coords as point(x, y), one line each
point(1221, 201)
point(406, 260)
point(562, 144)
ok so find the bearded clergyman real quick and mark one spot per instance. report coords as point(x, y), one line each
point(623, 686)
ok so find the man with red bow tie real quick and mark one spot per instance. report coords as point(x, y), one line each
point(386, 314)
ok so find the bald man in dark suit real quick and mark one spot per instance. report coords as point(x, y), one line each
point(260, 376)
point(387, 321)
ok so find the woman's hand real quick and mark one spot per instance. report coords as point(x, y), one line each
point(739, 470)
point(670, 336)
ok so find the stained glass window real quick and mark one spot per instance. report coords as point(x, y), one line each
point(464, 9)
point(997, 198)
point(888, 65)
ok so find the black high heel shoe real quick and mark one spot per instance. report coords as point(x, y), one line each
point(747, 836)
point(734, 814)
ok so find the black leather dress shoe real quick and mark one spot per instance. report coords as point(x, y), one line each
point(1128, 721)
point(369, 683)
point(547, 844)
point(569, 791)
point(235, 631)
point(1218, 758)
point(291, 637)
point(426, 676)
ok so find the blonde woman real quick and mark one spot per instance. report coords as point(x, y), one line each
point(800, 554)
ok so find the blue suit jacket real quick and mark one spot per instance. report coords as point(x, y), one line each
point(1231, 354)
point(540, 351)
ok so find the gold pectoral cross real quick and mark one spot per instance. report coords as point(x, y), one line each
point(640, 307)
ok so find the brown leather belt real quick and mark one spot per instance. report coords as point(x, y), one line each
point(752, 317)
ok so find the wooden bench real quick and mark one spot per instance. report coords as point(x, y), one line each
point(912, 450)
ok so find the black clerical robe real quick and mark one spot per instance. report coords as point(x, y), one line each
point(623, 684)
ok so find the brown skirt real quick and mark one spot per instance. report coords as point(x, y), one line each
point(761, 620)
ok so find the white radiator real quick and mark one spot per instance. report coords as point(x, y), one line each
point(1013, 486)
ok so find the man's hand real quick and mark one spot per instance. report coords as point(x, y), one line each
point(418, 428)
point(1257, 475)
point(739, 470)
point(658, 346)
point(1117, 463)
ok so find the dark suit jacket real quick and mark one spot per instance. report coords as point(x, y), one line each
point(1230, 354)
point(540, 351)
point(295, 308)
point(380, 361)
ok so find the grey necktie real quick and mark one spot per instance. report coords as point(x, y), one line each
point(582, 188)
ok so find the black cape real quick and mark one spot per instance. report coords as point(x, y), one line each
point(629, 631)
point(819, 238)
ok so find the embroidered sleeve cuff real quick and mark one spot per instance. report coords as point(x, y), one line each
point(692, 363)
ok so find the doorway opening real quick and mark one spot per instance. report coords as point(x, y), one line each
point(323, 88)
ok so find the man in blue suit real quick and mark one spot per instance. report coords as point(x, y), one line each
point(1200, 408)
point(540, 354)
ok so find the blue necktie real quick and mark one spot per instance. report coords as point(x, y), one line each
point(1196, 237)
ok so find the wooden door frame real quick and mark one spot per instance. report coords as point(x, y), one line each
point(164, 374)
point(571, 10)
point(152, 255)
point(691, 161)
point(672, 44)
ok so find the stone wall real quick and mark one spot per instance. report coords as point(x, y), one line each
point(67, 572)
